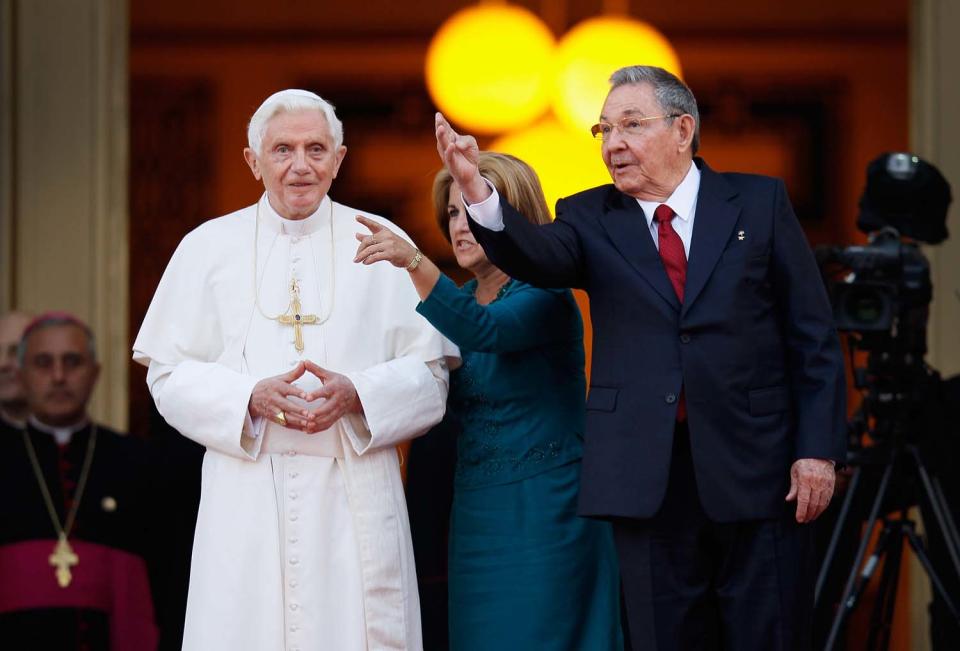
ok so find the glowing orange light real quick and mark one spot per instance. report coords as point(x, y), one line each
point(489, 68)
point(590, 52)
point(566, 161)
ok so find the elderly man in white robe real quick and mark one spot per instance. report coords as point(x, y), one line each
point(300, 372)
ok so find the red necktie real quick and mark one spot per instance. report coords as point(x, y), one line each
point(675, 262)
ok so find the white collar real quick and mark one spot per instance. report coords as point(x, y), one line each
point(61, 434)
point(682, 201)
point(307, 226)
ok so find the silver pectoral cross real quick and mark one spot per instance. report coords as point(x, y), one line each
point(292, 316)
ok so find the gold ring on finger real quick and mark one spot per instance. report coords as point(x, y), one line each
point(281, 418)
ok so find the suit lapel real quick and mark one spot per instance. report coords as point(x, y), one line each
point(715, 218)
point(625, 223)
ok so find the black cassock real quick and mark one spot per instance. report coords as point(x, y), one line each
point(108, 603)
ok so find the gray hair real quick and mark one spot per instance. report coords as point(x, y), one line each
point(49, 320)
point(672, 94)
point(292, 99)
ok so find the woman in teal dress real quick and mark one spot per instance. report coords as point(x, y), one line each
point(525, 572)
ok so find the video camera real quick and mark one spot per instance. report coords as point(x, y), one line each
point(885, 293)
point(881, 291)
point(881, 295)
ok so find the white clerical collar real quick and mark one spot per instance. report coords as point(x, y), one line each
point(61, 434)
point(682, 201)
point(272, 221)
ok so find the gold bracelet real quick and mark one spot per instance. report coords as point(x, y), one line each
point(416, 261)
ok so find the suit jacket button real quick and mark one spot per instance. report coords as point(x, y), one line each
point(670, 398)
point(684, 338)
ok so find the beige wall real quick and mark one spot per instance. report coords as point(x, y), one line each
point(64, 218)
point(6, 156)
point(935, 136)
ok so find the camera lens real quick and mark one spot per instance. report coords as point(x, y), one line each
point(867, 308)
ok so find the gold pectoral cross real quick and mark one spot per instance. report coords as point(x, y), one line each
point(293, 317)
point(63, 558)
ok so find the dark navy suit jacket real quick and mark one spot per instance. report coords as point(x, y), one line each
point(753, 346)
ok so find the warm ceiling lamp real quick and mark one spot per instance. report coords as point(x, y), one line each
point(488, 67)
point(566, 162)
point(590, 52)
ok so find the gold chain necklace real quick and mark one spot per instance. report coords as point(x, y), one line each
point(292, 316)
point(63, 556)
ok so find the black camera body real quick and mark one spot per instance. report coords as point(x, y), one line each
point(883, 299)
point(881, 291)
point(886, 294)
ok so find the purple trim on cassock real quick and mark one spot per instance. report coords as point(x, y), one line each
point(106, 579)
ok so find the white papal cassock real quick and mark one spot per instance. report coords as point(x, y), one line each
point(302, 541)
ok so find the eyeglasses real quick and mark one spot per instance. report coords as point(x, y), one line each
point(629, 126)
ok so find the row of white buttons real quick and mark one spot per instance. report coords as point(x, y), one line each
point(293, 538)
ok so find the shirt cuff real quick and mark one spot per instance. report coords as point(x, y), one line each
point(488, 212)
point(253, 427)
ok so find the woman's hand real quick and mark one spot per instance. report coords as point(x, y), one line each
point(383, 244)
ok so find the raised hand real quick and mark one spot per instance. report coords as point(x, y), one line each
point(459, 155)
point(811, 485)
point(270, 399)
point(340, 397)
point(383, 244)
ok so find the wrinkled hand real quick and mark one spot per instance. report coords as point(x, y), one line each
point(340, 397)
point(383, 244)
point(811, 485)
point(460, 155)
point(271, 395)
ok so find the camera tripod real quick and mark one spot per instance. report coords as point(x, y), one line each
point(900, 461)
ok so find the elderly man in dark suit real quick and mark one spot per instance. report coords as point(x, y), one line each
point(717, 391)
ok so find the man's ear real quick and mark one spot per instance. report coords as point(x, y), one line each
point(686, 127)
point(251, 157)
point(341, 152)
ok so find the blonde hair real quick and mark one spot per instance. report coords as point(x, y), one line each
point(514, 180)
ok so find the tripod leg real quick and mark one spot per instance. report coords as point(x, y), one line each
point(946, 510)
point(836, 535)
point(887, 534)
point(953, 548)
point(881, 620)
point(918, 548)
point(845, 607)
point(952, 533)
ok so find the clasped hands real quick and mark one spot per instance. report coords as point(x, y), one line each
point(271, 396)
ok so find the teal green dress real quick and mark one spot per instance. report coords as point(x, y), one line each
point(525, 572)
